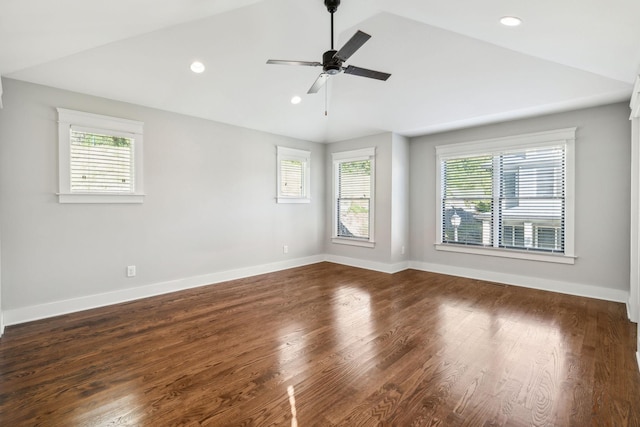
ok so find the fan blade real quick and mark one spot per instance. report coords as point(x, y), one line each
point(320, 81)
point(363, 72)
point(354, 43)
point(306, 63)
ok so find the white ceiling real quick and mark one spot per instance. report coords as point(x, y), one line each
point(452, 64)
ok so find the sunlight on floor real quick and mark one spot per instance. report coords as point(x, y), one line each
point(352, 307)
point(123, 410)
point(292, 402)
point(292, 344)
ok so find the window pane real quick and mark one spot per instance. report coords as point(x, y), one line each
point(467, 224)
point(512, 236)
point(101, 163)
point(469, 177)
point(549, 238)
point(353, 218)
point(532, 198)
point(468, 199)
point(355, 179)
point(354, 198)
point(292, 178)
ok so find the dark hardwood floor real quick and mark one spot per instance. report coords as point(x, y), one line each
point(328, 345)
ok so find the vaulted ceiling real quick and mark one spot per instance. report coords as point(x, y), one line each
point(452, 63)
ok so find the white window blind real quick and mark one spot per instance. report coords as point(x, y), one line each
point(509, 193)
point(510, 200)
point(532, 199)
point(354, 199)
point(291, 177)
point(99, 158)
point(101, 163)
point(294, 170)
point(467, 196)
point(354, 173)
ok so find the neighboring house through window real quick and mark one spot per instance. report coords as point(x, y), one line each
point(100, 158)
point(353, 197)
point(512, 195)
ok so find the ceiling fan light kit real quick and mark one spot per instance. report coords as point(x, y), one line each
point(332, 60)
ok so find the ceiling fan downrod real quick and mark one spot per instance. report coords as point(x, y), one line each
point(332, 7)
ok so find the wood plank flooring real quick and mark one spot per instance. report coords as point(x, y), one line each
point(328, 345)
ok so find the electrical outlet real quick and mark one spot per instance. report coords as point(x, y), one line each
point(285, 249)
point(402, 250)
point(131, 271)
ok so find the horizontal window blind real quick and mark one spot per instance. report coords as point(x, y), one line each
point(292, 178)
point(101, 163)
point(354, 199)
point(513, 199)
point(468, 198)
point(532, 199)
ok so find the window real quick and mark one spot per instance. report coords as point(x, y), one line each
point(510, 197)
point(100, 158)
point(294, 169)
point(353, 208)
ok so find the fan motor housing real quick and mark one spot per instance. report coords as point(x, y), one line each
point(331, 64)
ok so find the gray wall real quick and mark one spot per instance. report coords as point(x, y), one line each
point(210, 203)
point(602, 198)
point(400, 198)
point(391, 200)
point(1, 314)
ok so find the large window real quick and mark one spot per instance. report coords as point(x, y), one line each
point(294, 170)
point(353, 207)
point(510, 195)
point(100, 158)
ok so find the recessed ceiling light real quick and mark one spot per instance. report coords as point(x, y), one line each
point(296, 100)
point(197, 67)
point(510, 21)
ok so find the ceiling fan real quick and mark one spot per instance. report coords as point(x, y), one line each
point(332, 60)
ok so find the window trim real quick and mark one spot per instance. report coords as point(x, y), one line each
point(286, 153)
point(353, 156)
point(119, 127)
point(564, 136)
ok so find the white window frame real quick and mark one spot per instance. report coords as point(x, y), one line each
point(105, 125)
point(304, 156)
point(353, 156)
point(565, 137)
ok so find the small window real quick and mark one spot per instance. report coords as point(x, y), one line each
point(100, 158)
point(354, 173)
point(294, 184)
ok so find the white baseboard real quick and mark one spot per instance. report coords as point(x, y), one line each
point(368, 265)
point(56, 308)
point(576, 289)
point(632, 310)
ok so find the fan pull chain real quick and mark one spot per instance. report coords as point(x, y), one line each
point(326, 90)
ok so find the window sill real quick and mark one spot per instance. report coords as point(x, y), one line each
point(507, 253)
point(353, 242)
point(99, 198)
point(292, 200)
